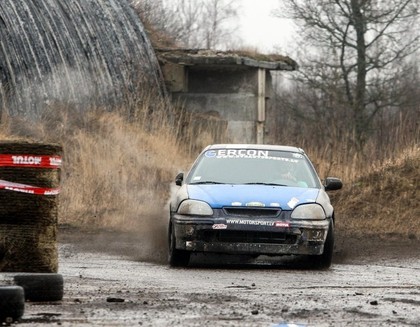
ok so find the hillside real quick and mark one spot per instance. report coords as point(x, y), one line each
point(384, 202)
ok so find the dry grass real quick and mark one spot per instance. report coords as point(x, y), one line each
point(384, 199)
point(117, 174)
point(380, 193)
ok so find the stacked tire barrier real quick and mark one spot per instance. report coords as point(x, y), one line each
point(12, 304)
point(29, 186)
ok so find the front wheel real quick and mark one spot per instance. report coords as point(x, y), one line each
point(177, 258)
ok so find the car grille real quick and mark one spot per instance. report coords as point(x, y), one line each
point(232, 236)
point(252, 212)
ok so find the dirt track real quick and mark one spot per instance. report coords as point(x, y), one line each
point(108, 283)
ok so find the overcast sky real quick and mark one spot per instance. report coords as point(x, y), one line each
point(258, 28)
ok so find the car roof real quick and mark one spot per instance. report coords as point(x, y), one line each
point(255, 147)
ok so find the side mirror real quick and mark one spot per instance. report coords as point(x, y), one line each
point(179, 179)
point(333, 183)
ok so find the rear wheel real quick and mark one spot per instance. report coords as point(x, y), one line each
point(177, 258)
point(324, 260)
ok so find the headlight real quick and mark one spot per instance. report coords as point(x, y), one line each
point(308, 211)
point(194, 207)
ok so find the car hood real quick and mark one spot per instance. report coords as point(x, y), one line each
point(218, 196)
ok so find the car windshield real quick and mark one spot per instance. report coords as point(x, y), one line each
point(248, 166)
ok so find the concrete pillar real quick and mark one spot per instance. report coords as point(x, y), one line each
point(260, 124)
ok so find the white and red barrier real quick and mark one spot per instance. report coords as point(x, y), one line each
point(32, 161)
point(28, 160)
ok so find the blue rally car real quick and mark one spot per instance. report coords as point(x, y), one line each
point(252, 199)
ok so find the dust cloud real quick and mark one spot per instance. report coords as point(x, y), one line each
point(146, 240)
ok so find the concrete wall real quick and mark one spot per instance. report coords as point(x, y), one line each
point(230, 93)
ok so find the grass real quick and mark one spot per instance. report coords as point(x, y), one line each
point(118, 174)
point(381, 184)
point(384, 199)
point(115, 172)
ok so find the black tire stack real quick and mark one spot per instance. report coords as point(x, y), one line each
point(12, 303)
point(28, 226)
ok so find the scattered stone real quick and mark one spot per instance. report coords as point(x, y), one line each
point(255, 312)
point(374, 302)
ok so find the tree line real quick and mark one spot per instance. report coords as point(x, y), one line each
point(208, 24)
point(358, 78)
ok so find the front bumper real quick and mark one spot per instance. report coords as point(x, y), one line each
point(250, 236)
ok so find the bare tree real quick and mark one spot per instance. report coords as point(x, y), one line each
point(355, 53)
point(157, 20)
point(191, 23)
point(218, 24)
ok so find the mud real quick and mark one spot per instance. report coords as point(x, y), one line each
point(113, 279)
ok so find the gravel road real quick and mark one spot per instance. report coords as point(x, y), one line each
point(107, 283)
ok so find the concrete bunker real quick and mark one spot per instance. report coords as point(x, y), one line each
point(232, 86)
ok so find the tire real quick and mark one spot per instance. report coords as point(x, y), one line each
point(41, 287)
point(12, 303)
point(324, 260)
point(176, 258)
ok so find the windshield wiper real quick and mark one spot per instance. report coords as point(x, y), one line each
point(269, 184)
point(205, 182)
